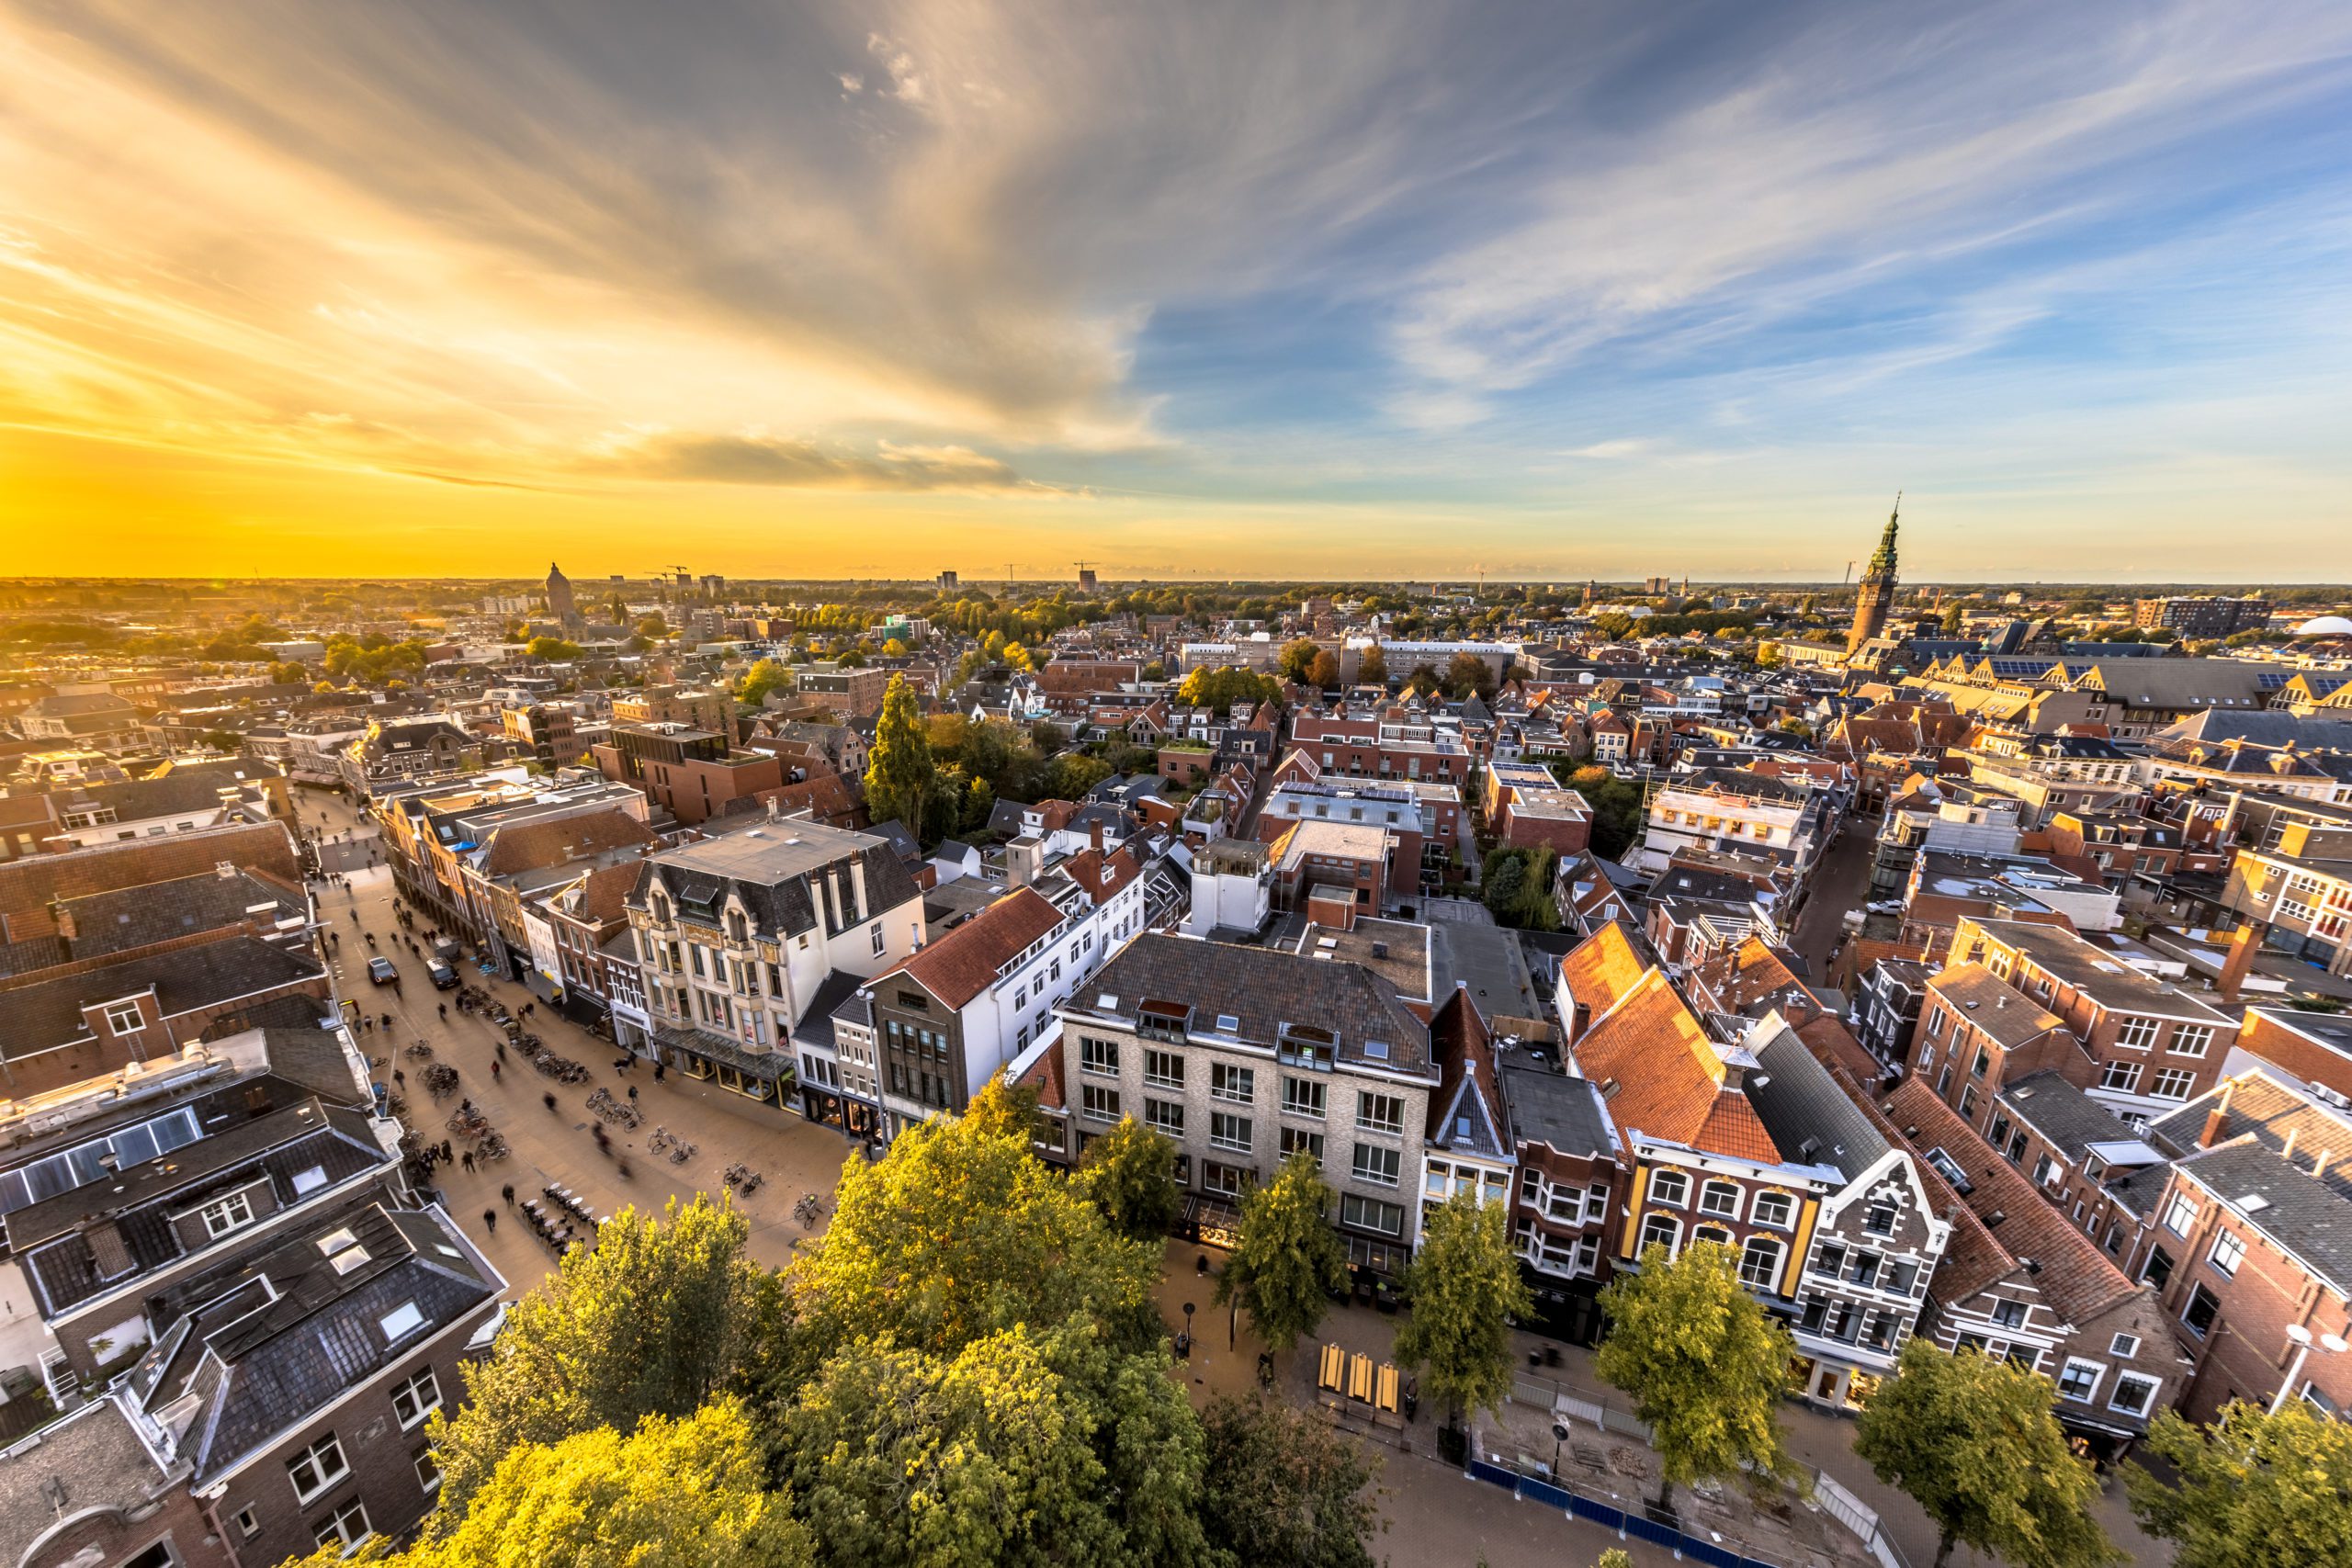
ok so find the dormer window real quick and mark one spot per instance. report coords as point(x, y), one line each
point(232, 1213)
point(123, 1018)
point(660, 908)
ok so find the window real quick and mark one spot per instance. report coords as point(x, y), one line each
point(1879, 1218)
point(2133, 1394)
point(1227, 1131)
point(220, 1219)
point(1671, 1188)
point(2136, 1033)
point(1661, 1230)
point(1299, 1140)
point(2180, 1215)
point(2008, 1313)
point(1302, 1097)
point(1759, 1263)
point(1372, 1214)
point(428, 1473)
point(2124, 1344)
point(1828, 1258)
point(2159, 1269)
point(2203, 1307)
point(248, 1526)
point(2192, 1039)
point(346, 1527)
point(317, 1468)
point(2079, 1380)
point(1238, 1083)
point(1223, 1180)
point(1164, 1116)
point(1376, 1165)
point(2123, 1078)
point(415, 1399)
point(122, 1018)
point(1098, 1103)
point(2173, 1083)
point(2229, 1250)
point(1719, 1199)
point(1379, 1113)
point(1775, 1209)
point(879, 943)
point(1164, 1069)
point(401, 1320)
point(1098, 1056)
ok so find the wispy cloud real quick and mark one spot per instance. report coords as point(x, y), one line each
point(768, 460)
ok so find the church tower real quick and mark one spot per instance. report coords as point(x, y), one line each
point(1875, 595)
point(560, 604)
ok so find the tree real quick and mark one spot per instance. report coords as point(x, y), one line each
point(1071, 774)
point(1467, 672)
point(1155, 671)
point(1286, 1261)
point(1283, 1490)
point(553, 650)
point(1220, 688)
point(679, 1493)
point(767, 675)
point(652, 625)
point(1424, 682)
point(960, 1232)
point(1371, 667)
point(1296, 658)
point(2255, 1490)
point(1129, 1173)
point(1466, 1289)
point(898, 767)
point(1973, 1441)
point(655, 1319)
point(1021, 1446)
point(1503, 886)
point(1323, 671)
point(288, 674)
point(1703, 1364)
point(227, 741)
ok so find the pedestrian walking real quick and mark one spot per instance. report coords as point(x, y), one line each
point(550, 1100)
point(446, 1155)
point(657, 1071)
point(632, 1094)
point(493, 1072)
point(490, 1220)
point(466, 1160)
point(400, 1078)
point(508, 1193)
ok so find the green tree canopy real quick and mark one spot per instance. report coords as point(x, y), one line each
point(1287, 1258)
point(1218, 688)
point(767, 675)
point(959, 1232)
point(655, 1319)
point(1283, 1490)
point(1296, 658)
point(1325, 671)
point(652, 625)
point(1466, 1288)
point(1973, 1441)
point(898, 767)
point(682, 1493)
point(1703, 1364)
point(1371, 667)
point(1467, 672)
point(1129, 1173)
point(289, 674)
point(553, 650)
point(2254, 1491)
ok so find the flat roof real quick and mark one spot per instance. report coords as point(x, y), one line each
point(769, 851)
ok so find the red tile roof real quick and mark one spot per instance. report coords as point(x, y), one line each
point(1602, 968)
point(960, 965)
point(1662, 1077)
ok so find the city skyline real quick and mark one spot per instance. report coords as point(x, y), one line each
point(1407, 291)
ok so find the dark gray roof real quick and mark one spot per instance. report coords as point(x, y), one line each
point(2063, 1114)
point(817, 1027)
point(1261, 989)
point(260, 1374)
point(2311, 1218)
point(52, 1235)
point(1811, 1118)
point(1545, 1107)
point(699, 876)
point(193, 786)
point(1489, 961)
point(126, 918)
point(48, 1014)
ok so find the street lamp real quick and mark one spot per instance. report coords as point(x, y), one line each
point(1184, 1346)
point(1559, 1436)
point(2332, 1344)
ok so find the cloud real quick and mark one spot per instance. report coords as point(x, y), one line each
point(768, 460)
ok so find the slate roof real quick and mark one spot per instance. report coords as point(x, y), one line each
point(260, 1374)
point(1991, 1004)
point(770, 872)
point(532, 846)
point(196, 787)
point(1261, 989)
point(2069, 1119)
point(1810, 1118)
point(1551, 1108)
point(48, 1014)
point(64, 1241)
point(2276, 1194)
point(126, 918)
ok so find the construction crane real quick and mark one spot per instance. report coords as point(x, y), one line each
point(1848, 581)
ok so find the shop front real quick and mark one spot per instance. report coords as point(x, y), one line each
point(762, 1075)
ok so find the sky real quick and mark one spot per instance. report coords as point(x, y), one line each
point(1352, 291)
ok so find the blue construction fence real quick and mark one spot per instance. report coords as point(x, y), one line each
point(1625, 1522)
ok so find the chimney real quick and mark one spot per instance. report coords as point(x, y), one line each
point(2320, 1164)
point(1094, 834)
point(2243, 946)
point(2216, 1119)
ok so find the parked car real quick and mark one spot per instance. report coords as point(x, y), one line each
point(380, 970)
point(444, 977)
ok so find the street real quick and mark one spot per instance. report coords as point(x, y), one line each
point(1841, 881)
